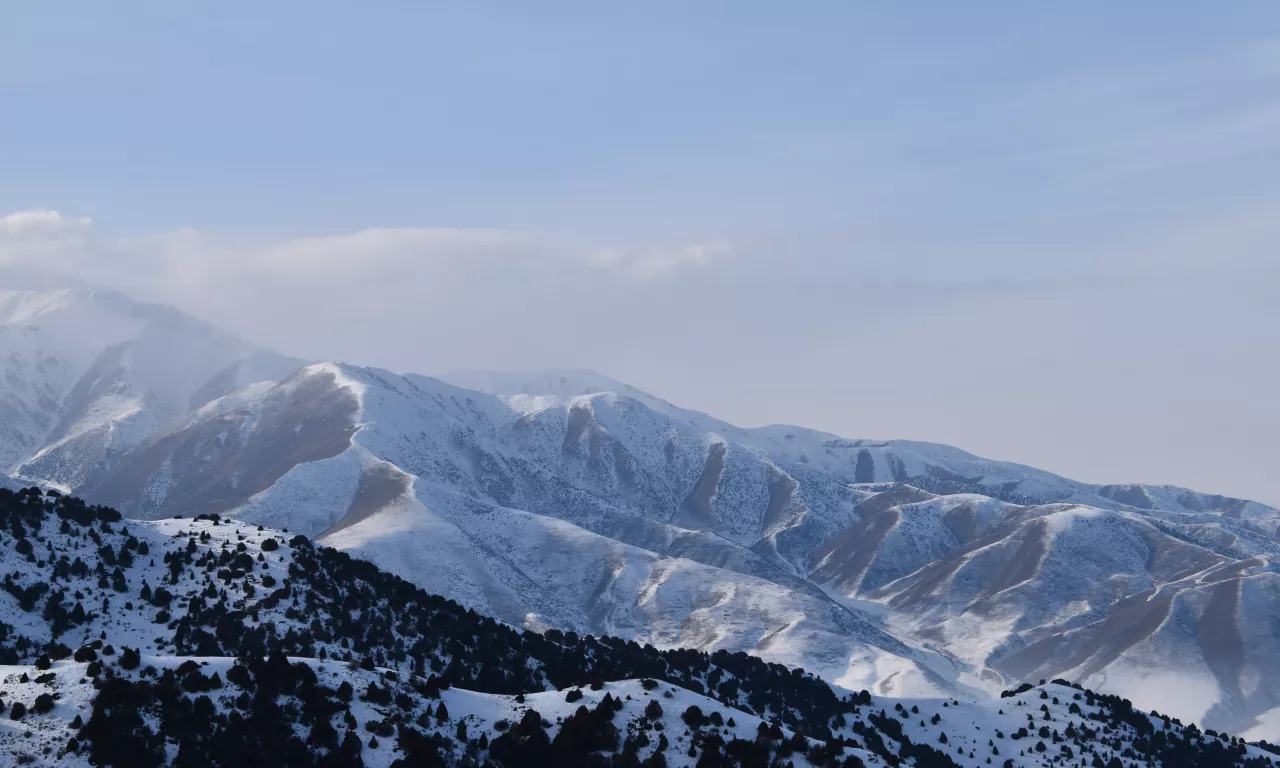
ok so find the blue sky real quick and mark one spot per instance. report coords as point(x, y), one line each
point(1057, 221)
point(672, 119)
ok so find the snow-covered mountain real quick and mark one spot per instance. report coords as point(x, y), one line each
point(89, 375)
point(567, 500)
point(213, 642)
point(165, 614)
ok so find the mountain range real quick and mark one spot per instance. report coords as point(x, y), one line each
point(210, 642)
point(568, 501)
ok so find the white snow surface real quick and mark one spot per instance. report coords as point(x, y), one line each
point(568, 499)
point(88, 374)
point(969, 732)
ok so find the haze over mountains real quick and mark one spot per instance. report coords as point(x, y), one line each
point(568, 500)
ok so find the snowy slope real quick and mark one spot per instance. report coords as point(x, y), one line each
point(478, 713)
point(133, 616)
point(599, 514)
point(1049, 724)
point(931, 466)
point(570, 500)
point(1112, 599)
point(89, 375)
point(455, 510)
point(116, 632)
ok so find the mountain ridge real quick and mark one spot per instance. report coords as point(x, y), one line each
point(619, 513)
point(220, 643)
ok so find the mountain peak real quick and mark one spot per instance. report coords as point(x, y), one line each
point(568, 382)
point(569, 499)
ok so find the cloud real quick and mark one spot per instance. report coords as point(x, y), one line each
point(377, 296)
point(409, 253)
point(373, 247)
point(646, 264)
point(43, 239)
point(378, 257)
point(40, 223)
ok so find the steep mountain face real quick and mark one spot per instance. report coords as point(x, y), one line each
point(928, 466)
point(506, 511)
point(1174, 612)
point(211, 642)
point(90, 375)
point(203, 642)
point(571, 501)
